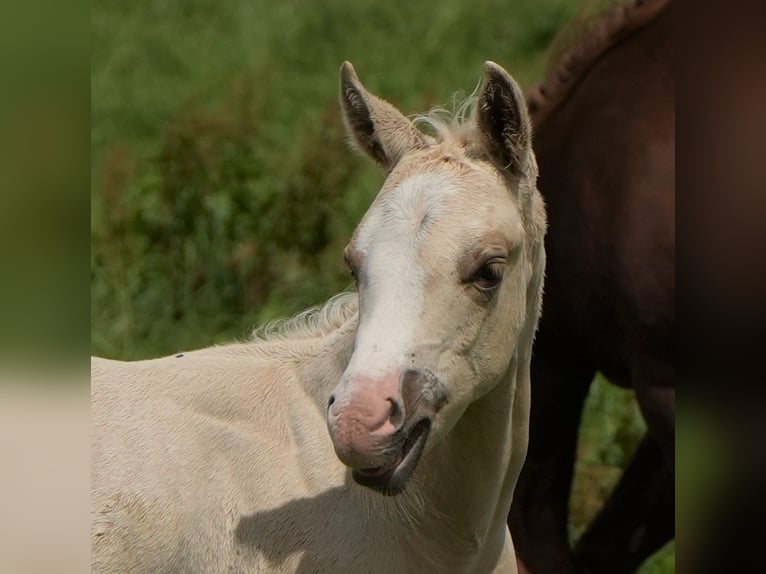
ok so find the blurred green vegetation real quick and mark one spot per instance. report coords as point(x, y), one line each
point(223, 190)
point(43, 179)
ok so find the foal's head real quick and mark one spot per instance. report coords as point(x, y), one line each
point(448, 262)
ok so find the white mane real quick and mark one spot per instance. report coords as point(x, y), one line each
point(312, 323)
point(450, 125)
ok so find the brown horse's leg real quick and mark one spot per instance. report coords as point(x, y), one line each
point(658, 405)
point(639, 516)
point(538, 517)
point(637, 519)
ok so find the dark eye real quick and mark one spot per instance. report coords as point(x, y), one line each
point(489, 275)
point(351, 269)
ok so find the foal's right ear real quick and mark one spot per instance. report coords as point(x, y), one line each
point(376, 127)
point(503, 119)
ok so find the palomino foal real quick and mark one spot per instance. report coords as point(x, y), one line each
point(219, 460)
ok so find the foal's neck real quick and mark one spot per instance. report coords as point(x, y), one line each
point(458, 500)
point(471, 474)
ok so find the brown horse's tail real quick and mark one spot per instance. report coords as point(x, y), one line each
point(592, 40)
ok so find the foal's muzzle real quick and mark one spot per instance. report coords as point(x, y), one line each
point(379, 427)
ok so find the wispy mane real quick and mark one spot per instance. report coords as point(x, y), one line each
point(311, 323)
point(454, 124)
point(590, 42)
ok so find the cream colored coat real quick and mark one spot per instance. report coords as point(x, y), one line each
point(219, 460)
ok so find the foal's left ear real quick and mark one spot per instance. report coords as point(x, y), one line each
point(377, 127)
point(503, 119)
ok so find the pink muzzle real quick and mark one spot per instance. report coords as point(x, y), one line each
point(364, 420)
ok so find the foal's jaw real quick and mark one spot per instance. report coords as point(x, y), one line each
point(391, 478)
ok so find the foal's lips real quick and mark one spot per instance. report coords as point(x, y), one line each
point(390, 478)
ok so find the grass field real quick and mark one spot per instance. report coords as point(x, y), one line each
point(223, 190)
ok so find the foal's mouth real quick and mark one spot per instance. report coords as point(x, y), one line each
point(390, 479)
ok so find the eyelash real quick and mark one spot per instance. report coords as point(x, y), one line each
point(351, 269)
point(489, 275)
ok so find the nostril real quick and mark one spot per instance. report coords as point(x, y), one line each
point(331, 401)
point(396, 416)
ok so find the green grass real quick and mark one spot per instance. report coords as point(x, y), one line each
point(611, 429)
point(223, 190)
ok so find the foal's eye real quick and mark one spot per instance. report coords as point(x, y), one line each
point(351, 269)
point(489, 275)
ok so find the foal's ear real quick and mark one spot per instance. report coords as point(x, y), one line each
point(503, 119)
point(377, 127)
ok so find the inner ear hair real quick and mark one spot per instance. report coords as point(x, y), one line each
point(375, 126)
point(359, 122)
point(503, 119)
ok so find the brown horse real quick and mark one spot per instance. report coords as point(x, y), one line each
point(604, 137)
